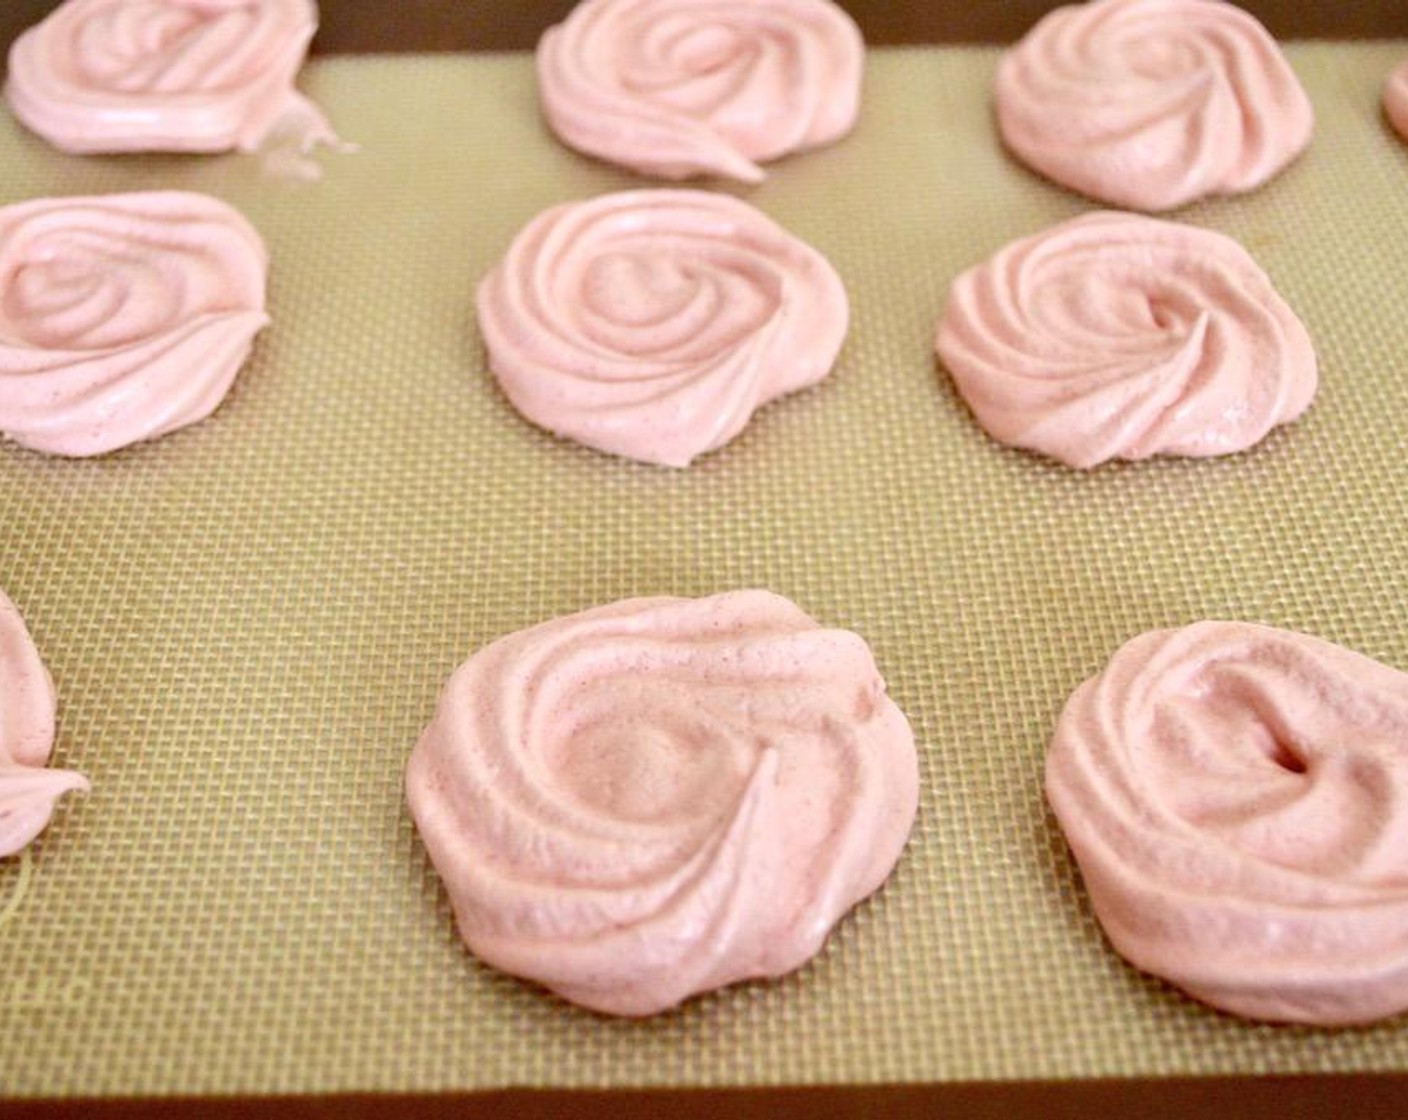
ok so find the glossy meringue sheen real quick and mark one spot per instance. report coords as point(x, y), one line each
point(659, 797)
point(1396, 99)
point(122, 317)
point(1151, 104)
point(1237, 799)
point(651, 324)
point(1115, 336)
point(165, 75)
point(678, 88)
point(28, 789)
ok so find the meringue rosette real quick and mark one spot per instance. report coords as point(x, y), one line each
point(122, 317)
point(165, 75)
point(679, 88)
point(1152, 104)
point(28, 789)
point(1237, 799)
point(1396, 99)
point(660, 797)
point(651, 324)
point(1115, 336)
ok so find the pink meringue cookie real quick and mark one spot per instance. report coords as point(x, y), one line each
point(122, 317)
point(678, 88)
point(1237, 799)
point(1115, 336)
point(651, 324)
point(166, 75)
point(1151, 104)
point(656, 798)
point(1396, 99)
point(28, 790)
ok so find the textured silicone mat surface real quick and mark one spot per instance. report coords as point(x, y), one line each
point(248, 621)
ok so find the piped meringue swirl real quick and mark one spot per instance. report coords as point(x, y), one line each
point(1237, 799)
point(122, 317)
point(166, 75)
point(1396, 99)
point(28, 790)
point(651, 324)
point(656, 798)
point(1151, 104)
point(678, 88)
point(1114, 336)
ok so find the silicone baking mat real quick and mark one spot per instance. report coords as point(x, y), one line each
point(248, 621)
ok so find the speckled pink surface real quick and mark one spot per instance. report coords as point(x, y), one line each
point(651, 324)
point(1152, 104)
point(680, 88)
point(28, 789)
point(662, 796)
point(122, 317)
point(1115, 336)
point(1237, 798)
point(165, 75)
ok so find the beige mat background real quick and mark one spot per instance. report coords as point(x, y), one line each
point(249, 621)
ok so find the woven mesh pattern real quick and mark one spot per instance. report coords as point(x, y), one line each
point(249, 621)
